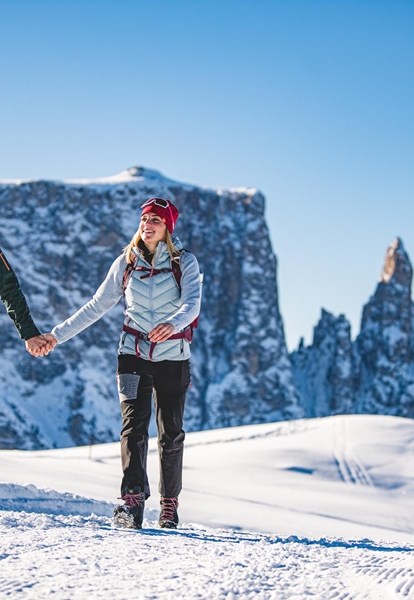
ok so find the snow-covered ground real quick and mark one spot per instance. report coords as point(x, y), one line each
point(319, 508)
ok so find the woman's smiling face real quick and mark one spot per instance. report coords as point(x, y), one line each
point(152, 229)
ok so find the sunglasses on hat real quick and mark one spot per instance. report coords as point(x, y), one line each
point(158, 201)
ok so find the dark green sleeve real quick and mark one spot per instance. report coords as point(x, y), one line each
point(12, 297)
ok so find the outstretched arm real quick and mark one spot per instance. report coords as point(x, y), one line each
point(107, 295)
point(13, 299)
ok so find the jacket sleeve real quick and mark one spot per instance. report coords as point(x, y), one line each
point(13, 299)
point(106, 296)
point(190, 293)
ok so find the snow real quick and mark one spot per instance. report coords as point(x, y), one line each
point(134, 174)
point(137, 176)
point(393, 334)
point(131, 175)
point(318, 508)
point(249, 192)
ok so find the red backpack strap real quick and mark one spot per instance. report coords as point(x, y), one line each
point(150, 271)
point(176, 269)
point(127, 273)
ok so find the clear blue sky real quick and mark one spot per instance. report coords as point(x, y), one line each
point(310, 101)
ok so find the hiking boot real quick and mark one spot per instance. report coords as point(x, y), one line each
point(131, 513)
point(168, 516)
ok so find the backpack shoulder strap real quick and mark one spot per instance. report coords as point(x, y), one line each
point(176, 269)
point(127, 273)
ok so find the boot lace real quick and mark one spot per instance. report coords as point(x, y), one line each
point(132, 500)
point(169, 506)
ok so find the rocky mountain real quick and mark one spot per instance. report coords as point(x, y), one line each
point(384, 346)
point(324, 371)
point(375, 373)
point(61, 238)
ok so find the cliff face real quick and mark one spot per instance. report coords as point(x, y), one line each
point(375, 373)
point(324, 372)
point(385, 342)
point(62, 238)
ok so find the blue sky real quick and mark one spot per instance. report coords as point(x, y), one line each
point(310, 101)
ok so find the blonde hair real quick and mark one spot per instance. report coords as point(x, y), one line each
point(172, 250)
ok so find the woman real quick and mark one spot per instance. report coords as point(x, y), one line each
point(162, 292)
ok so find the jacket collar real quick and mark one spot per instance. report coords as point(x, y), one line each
point(161, 251)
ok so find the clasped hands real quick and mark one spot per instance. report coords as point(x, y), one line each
point(41, 345)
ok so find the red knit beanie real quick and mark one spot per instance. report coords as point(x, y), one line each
point(164, 209)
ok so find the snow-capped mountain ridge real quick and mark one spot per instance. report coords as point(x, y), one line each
point(134, 175)
point(72, 231)
point(62, 237)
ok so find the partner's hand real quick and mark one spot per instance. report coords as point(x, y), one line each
point(161, 332)
point(50, 340)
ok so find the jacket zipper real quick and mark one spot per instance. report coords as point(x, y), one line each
point(151, 299)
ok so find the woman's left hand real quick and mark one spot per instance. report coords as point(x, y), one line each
point(161, 332)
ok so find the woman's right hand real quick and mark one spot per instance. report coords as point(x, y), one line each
point(51, 342)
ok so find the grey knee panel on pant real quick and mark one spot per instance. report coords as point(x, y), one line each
point(127, 386)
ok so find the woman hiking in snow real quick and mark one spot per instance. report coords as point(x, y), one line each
point(161, 286)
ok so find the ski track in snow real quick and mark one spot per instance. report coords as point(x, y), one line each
point(350, 468)
point(71, 557)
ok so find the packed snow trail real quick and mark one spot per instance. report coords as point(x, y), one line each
point(76, 557)
point(290, 511)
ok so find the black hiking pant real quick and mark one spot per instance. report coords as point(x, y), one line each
point(137, 380)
